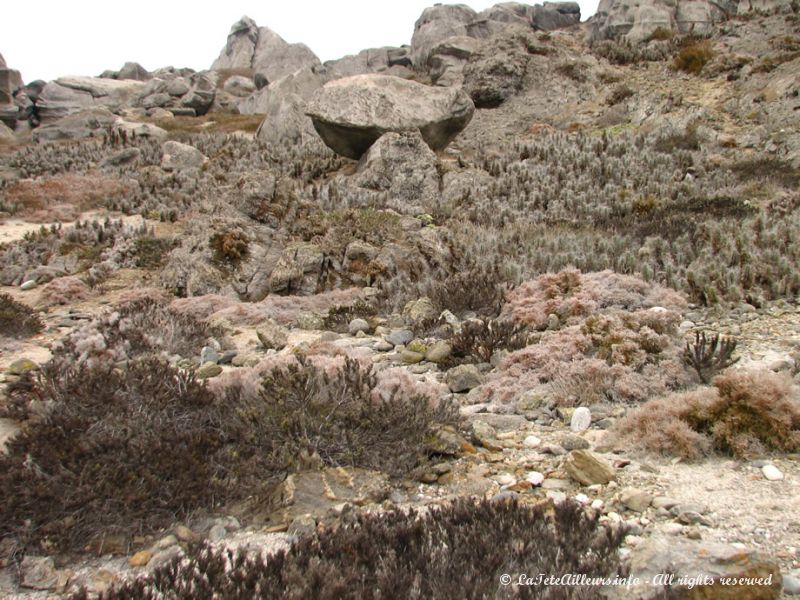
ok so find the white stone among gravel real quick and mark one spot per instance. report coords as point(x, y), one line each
point(581, 419)
point(535, 478)
point(28, 285)
point(582, 498)
point(505, 479)
point(531, 441)
point(771, 473)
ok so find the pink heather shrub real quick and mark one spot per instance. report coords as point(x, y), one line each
point(64, 290)
point(745, 414)
point(144, 293)
point(618, 340)
point(570, 294)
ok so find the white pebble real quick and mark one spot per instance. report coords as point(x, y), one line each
point(505, 479)
point(582, 498)
point(535, 477)
point(581, 419)
point(597, 504)
point(771, 473)
point(531, 441)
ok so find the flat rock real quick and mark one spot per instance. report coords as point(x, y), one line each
point(588, 468)
point(463, 378)
point(350, 114)
point(635, 499)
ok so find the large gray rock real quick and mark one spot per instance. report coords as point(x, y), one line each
point(705, 562)
point(388, 60)
point(240, 47)
point(495, 73)
point(283, 105)
point(404, 167)
point(436, 24)
point(447, 59)
point(202, 89)
point(636, 20)
point(262, 51)
point(69, 95)
point(91, 122)
point(179, 157)
point(555, 15)
point(350, 114)
point(6, 134)
point(135, 71)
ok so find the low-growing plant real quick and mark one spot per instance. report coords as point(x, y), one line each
point(18, 320)
point(341, 415)
point(229, 246)
point(339, 317)
point(465, 546)
point(477, 340)
point(694, 56)
point(744, 414)
point(709, 356)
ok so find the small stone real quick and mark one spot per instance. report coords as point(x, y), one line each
point(689, 517)
point(165, 556)
point(382, 346)
point(582, 498)
point(463, 378)
point(553, 322)
point(140, 559)
point(185, 534)
point(664, 502)
point(485, 435)
point(588, 468)
point(410, 357)
point(535, 478)
point(597, 504)
point(581, 419)
point(554, 449)
point(552, 483)
point(531, 441)
point(442, 468)
point(166, 542)
point(398, 337)
point(504, 496)
point(357, 325)
point(227, 357)
point(556, 496)
point(28, 285)
point(21, 366)
point(673, 528)
point(791, 585)
point(438, 352)
point(209, 370)
point(272, 335)
point(694, 534)
point(208, 355)
point(240, 360)
point(216, 533)
point(635, 499)
point(505, 479)
point(38, 573)
point(771, 473)
point(574, 442)
point(429, 477)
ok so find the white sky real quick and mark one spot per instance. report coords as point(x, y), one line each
point(86, 37)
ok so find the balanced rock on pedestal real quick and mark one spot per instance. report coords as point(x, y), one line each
point(350, 114)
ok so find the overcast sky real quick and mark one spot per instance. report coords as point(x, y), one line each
point(86, 37)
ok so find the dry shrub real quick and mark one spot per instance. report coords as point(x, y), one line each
point(18, 320)
point(336, 410)
point(137, 329)
point(477, 340)
point(693, 57)
point(125, 451)
point(744, 414)
point(570, 293)
point(121, 451)
point(464, 546)
point(62, 198)
point(64, 290)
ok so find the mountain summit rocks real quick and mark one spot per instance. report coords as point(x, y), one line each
point(636, 20)
point(263, 51)
point(350, 114)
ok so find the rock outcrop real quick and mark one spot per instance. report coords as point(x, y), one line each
point(263, 52)
point(283, 106)
point(436, 24)
point(10, 82)
point(350, 114)
point(387, 60)
point(636, 20)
